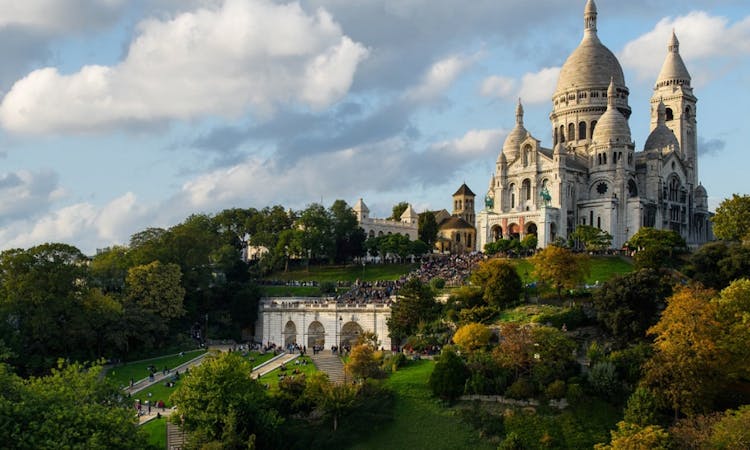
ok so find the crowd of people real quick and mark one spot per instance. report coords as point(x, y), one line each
point(453, 269)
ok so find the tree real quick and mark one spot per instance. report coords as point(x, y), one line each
point(629, 436)
point(656, 248)
point(219, 401)
point(529, 242)
point(398, 210)
point(362, 364)
point(472, 336)
point(349, 237)
point(732, 219)
point(109, 268)
point(449, 375)
point(733, 314)
point(317, 231)
point(515, 350)
point(687, 369)
point(500, 283)
point(592, 238)
point(628, 305)
point(560, 268)
point(72, 407)
point(427, 228)
point(156, 288)
point(416, 303)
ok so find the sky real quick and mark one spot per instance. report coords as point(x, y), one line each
point(118, 115)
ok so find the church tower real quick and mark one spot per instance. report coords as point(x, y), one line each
point(674, 90)
point(463, 204)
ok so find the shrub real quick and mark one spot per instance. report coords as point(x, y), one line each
point(394, 361)
point(437, 283)
point(574, 394)
point(511, 442)
point(570, 317)
point(603, 379)
point(472, 336)
point(556, 389)
point(521, 389)
point(449, 375)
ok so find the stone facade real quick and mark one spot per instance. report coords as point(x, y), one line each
point(593, 175)
point(379, 227)
point(319, 321)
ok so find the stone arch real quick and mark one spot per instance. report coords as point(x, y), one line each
point(496, 233)
point(316, 334)
point(350, 332)
point(514, 231)
point(531, 228)
point(670, 114)
point(290, 333)
point(371, 233)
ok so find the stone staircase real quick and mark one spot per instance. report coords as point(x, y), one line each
point(175, 437)
point(330, 364)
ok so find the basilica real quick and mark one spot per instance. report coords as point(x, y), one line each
point(593, 174)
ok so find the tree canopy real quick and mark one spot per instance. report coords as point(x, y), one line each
point(500, 283)
point(731, 222)
point(560, 268)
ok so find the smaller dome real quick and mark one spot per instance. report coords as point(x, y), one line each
point(661, 136)
point(700, 192)
point(512, 143)
point(612, 125)
point(673, 69)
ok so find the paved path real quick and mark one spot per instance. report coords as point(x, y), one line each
point(160, 376)
point(330, 364)
point(274, 364)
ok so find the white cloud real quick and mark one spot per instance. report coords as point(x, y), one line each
point(439, 77)
point(497, 86)
point(58, 16)
point(223, 61)
point(26, 193)
point(475, 143)
point(702, 37)
point(533, 87)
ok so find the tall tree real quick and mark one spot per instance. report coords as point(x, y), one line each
point(156, 288)
point(398, 210)
point(349, 237)
point(560, 268)
point(732, 219)
point(416, 303)
point(501, 286)
point(592, 238)
point(628, 305)
point(317, 231)
point(427, 228)
point(220, 402)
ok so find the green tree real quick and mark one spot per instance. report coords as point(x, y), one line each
point(560, 268)
point(416, 303)
point(109, 268)
point(529, 242)
point(629, 436)
point(733, 314)
point(220, 402)
point(156, 288)
point(501, 286)
point(449, 375)
point(398, 210)
point(317, 231)
point(349, 237)
point(628, 305)
point(732, 219)
point(72, 407)
point(427, 228)
point(656, 248)
point(592, 238)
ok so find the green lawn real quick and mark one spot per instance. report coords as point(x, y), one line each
point(138, 370)
point(602, 268)
point(419, 420)
point(372, 272)
point(272, 378)
point(156, 430)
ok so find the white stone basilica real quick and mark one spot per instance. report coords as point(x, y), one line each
point(593, 175)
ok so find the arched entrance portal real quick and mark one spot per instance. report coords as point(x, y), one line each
point(316, 334)
point(531, 229)
point(350, 332)
point(514, 231)
point(496, 233)
point(290, 333)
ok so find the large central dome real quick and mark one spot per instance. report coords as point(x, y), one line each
point(591, 65)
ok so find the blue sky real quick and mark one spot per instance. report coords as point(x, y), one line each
point(119, 115)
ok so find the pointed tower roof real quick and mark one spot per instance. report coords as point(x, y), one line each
point(661, 136)
point(517, 134)
point(465, 191)
point(673, 70)
point(612, 125)
point(409, 215)
point(360, 206)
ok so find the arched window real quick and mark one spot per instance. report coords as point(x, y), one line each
point(593, 125)
point(512, 190)
point(687, 112)
point(582, 130)
point(674, 189)
point(571, 132)
point(599, 222)
point(670, 114)
point(554, 136)
point(526, 189)
point(562, 133)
